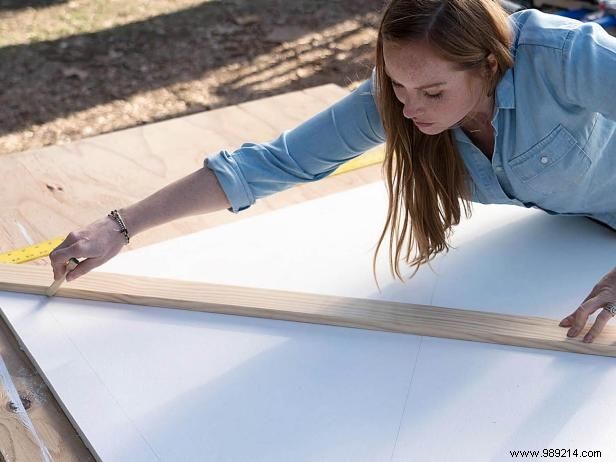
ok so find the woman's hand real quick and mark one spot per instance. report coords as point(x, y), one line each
point(95, 244)
point(602, 294)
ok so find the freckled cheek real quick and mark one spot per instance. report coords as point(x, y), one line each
point(436, 110)
point(447, 110)
point(399, 95)
point(407, 103)
point(430, 108)
point(403, 101)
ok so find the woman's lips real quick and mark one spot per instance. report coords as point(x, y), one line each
point(423, 124)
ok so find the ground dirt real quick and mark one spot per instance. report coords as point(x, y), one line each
point(72, 69)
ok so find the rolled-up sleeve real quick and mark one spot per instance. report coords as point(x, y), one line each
point(589, 69)
point(308, 152)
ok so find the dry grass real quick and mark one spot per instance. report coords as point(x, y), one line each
point(61, 19)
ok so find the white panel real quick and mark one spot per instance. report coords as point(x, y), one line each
point(505, 259)
point(148, 383)
point(322, 246)
point(539, 265)
point(477, 402)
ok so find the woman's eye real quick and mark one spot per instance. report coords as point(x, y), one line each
point(434, 95)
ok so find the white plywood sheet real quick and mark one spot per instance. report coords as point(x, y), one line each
point(156, 384)
point(506, 259)
point(147, 384)
point(477, 402)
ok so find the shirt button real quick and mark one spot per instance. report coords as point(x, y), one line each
point(545, 160)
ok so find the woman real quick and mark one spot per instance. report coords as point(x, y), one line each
point(474, 105)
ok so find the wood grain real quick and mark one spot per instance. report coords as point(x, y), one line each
point(432, 321)
point(18, 438)
point(51, 191)
point(50, 423)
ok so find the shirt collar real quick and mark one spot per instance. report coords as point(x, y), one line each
point(505, 91)
point(505, 99)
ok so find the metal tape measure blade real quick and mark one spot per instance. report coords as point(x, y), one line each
point(32, 252)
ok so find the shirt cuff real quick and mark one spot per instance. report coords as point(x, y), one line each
point(231, 180)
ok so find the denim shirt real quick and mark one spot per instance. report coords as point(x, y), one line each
point(554, 126)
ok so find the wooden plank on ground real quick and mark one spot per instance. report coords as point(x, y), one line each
point(18, 438)
point(432, 321)
point(52, 427)
point(51, 191)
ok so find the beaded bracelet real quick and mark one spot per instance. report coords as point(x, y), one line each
point(115, 215)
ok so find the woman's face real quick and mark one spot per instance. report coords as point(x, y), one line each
point(435, 95)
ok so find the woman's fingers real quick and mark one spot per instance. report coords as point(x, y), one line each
point(577, 320)
point(84, 267)
point(595, 291)
point(580, 314)
point(568, 321)
point(56, 257)
point(603, 292)
point(598, 326)
point(61, 255)
point(94, 245)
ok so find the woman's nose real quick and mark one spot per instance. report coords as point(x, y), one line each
point(411, 112)
point(406, 112)
point(411, 109)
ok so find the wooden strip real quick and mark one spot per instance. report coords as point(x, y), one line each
point(18, 439)
point(432, 321)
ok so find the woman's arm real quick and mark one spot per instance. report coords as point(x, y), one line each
point(197, 193)
point(235, 180)
point(194, 194)
point(306, 153)
point(589, 69)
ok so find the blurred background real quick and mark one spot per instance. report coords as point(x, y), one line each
point(76, 68)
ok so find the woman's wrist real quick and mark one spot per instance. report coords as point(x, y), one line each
point(117, 218)
point(131, 220)
point(194, 194)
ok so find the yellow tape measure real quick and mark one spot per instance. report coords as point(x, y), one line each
point(32, 252)
point(374, 156)
point(43, 249)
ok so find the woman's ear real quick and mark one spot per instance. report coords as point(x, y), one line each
point(490, 69)
point(491, 63)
